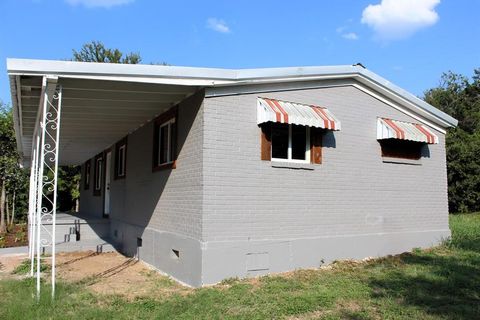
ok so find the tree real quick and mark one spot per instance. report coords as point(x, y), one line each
point(12, 176)
point(460, 97)
point(95, 51)
point(68, 187)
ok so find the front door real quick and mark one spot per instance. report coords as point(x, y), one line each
point(108, 178)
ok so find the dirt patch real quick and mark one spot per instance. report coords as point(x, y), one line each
point(16, 236)
point(113, 273)
point(8, 263)
point(343, 309)
point(105, 273)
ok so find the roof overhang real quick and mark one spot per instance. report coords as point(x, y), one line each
point(103, 102)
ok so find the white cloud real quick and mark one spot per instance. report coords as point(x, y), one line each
point(346, 35)
point(218, 25)
point(397, 19)
point(98, 3)
point(350, 36)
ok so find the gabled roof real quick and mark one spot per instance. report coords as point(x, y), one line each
point(166, 84)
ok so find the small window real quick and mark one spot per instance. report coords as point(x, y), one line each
point(98, 175)
point(86, 175)
point(165, 141)
point(165, 146)
point(121, 159)
point(290, 143)
point(401, 149)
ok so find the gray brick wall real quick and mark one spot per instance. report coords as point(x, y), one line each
point(353, 192)
point(166, 200)
point(222, 205)
point(89, 204)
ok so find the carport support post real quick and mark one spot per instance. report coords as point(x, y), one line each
point(46, 197)
point(55, 180)
point(41, 159)
point(32, 206)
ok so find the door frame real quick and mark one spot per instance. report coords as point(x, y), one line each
point(105, 153)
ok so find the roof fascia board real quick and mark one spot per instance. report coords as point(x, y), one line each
point(295, 72)
point(407, 96)
point(151, 80)
point(64, 68)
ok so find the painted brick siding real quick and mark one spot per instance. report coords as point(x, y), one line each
point(166, 200)
point(89, 204)
point(353, 192)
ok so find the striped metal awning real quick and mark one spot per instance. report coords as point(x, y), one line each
point(393, 129)
point(271, 110)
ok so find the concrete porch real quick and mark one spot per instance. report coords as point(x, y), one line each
point(78, 232)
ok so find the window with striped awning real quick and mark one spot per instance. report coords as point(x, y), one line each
point(271, 110)
point(394, 129)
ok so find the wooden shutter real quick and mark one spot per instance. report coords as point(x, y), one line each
point(86, 175)
point(266, 142)
point(316, 136)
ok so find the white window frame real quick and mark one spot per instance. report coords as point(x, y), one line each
point(99, 173)
point(289, 151)
point(168, 123)
point(121, 161)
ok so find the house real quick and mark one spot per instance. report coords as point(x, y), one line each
point(207, 174)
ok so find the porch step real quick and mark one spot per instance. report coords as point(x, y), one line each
point(79, 233)
point(67, 226)
point(97, 246)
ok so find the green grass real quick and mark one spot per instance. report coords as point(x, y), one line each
point(24, 267)
point(441, 283)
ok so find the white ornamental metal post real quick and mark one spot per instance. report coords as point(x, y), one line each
point(46, 197)
point(31, 207)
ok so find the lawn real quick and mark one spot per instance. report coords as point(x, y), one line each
point(439, 283)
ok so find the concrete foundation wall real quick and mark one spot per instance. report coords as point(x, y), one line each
point(223, 260)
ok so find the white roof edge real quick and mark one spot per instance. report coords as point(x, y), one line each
point(210, 77)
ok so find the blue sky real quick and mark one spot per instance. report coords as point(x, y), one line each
point(409, 42)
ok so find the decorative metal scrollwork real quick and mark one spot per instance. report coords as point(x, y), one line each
point(43, 183)
point(49, 178)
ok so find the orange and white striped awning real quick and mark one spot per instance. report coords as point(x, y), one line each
point(393, 129)
point(271, 110)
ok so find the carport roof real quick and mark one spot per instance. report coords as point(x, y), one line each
point(103, 102)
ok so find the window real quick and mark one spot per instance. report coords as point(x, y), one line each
point(98, 175)
point(164, 149)
point(401, 149)
point(86, 175)
point(121, 159)
point(165, 143)
point(291, 143)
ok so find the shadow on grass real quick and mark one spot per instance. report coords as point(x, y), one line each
point(442, 282)
point(109, 272)
point(93, 254)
